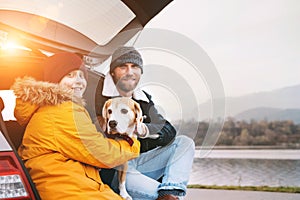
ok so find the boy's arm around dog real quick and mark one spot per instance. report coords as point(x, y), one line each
point(62, 126)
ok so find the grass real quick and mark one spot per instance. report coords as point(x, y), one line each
point(249, 188)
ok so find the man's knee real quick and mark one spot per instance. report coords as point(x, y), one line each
point(185, 141)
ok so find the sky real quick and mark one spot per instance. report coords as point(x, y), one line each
point(254, 44)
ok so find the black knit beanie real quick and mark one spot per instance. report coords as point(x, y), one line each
point(126, 55)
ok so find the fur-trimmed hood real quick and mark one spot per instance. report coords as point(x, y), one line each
point(42, 93)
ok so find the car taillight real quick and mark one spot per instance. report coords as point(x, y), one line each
point(13, 182)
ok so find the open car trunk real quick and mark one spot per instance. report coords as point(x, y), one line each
point(91, 28)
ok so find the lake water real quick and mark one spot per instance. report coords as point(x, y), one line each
point(247, 168)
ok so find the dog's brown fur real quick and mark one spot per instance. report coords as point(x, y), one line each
point(122, 116)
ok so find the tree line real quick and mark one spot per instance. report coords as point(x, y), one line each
point(243, 133)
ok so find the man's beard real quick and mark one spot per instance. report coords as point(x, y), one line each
point(124, 86)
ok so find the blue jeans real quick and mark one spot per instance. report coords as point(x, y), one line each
point(172, 162)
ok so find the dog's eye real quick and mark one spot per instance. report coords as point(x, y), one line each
point(124, 111)
point(109, 111)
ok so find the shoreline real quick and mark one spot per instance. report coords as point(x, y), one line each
point(247, 188)
point(217, 194)
point(246, 147)
point(275, 154)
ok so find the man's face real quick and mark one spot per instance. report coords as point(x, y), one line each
point(127, 76)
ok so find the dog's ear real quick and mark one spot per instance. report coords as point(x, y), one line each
point(104, 109)
point(139, 118)
point(138, 112)
point(103, 120)
point(102, 123)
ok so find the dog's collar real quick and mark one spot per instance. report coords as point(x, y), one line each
point(120, 136)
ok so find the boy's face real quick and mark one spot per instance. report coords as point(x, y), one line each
point(76, 81)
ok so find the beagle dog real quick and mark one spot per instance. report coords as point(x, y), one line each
point(122, 119)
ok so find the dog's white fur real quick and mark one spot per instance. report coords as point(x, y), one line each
point(124, 116)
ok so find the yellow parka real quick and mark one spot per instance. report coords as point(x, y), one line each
point(61, 147)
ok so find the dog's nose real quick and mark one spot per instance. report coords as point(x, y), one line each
point(112, 123)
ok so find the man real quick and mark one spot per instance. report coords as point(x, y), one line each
point(162, 170)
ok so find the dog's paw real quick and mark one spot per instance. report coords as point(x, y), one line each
point(148, 135)
point(125, 195)
point(143, 132)
point(128, 198)
point(153, 136)
point(123, 192)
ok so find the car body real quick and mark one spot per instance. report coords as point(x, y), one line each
point(92, 29)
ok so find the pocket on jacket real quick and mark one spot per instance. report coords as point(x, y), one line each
point(93, 174)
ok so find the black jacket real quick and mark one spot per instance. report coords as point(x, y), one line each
point(153, 120)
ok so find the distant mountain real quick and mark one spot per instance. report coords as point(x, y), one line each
point(283, 102)
point(283, 98)
point(270, 114)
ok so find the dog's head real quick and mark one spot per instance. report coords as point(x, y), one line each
point(121, 115)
